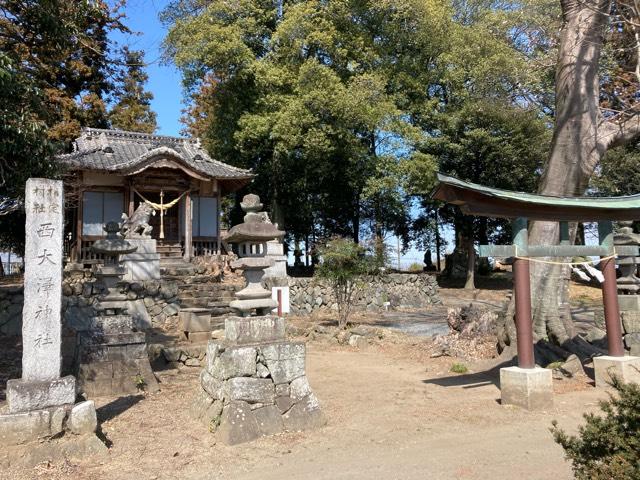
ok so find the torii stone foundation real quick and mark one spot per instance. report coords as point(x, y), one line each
point(627, 369)
point(254, 383)
point(529, 388)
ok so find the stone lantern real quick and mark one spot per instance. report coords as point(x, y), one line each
point(629, 289)
point(254, 381)
point(112, 354)
point(251, 239)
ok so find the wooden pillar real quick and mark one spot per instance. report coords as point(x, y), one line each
point(610, 292)
point(522, 292)
point(77, 254)
point(131, 199)
point(188, 226)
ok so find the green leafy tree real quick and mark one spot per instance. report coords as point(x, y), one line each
point(343, 263)
point(607, 447)
point(62, 47)
point(132, 108)
point(492, 143)
point(321, 98)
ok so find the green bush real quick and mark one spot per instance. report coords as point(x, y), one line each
point(607, 447)
point(459, 368)
point(343, 262)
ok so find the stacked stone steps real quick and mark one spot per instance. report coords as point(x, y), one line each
point(169, 250)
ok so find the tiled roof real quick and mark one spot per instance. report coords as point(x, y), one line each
point(120, 151)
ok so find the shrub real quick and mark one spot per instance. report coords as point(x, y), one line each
point(459, 368)
point(415, 267)
point(343, 262)
point(607, 447)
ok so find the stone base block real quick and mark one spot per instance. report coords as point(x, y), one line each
point(529, 388)
point(24, 396)
point(19, 428)
point(195, 320)
point(36, 425)
point(197, 337)
point(629, 303)
point(248, 330)
point(625, 368)
point(141, 266)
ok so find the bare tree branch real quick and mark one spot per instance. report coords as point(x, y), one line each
point(615, 133)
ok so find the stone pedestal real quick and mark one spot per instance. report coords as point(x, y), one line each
point(254, 383)
point(529, 388)
point(112, 359)
point(275, 251)
point(195, 324)
point(41, 403)
point(626, 369)
point(144, 263)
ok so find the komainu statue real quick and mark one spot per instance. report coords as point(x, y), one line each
point(137, 225)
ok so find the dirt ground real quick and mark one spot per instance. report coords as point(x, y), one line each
point(392, 413)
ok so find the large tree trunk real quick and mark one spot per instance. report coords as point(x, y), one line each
point(576, 150)
point(471, 264)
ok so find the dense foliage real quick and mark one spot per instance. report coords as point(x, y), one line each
point(57, 67)
point(343, 263)
point(331, 103)
point(132, 108)
point(607, 447)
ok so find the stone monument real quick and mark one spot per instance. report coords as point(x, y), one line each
point(144, 262)
point(41, 403)
point(112, 354)
point(254, 382)
point(629, 289)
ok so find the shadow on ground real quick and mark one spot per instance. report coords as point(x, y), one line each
point(116, 407)
point(491, 376)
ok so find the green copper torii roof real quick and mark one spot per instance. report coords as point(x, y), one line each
point(474, 199)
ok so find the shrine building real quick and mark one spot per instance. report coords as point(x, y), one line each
point(112, 172)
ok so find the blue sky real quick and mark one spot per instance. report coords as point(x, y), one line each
point(164, 80)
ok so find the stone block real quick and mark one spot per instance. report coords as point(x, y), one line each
point(235, 362)
point(58, 416)
point(529, 388)
point(200, 403)
point(283, 390)
point(284, 403)
point(300, 388)
point(626, 369)
point(262, 371)
point(18, 428)
point(238, 424)
point(630, 321)
point(629, 303)
point(83, 419)
point(631, 339)
point(248, 330)
point(195, 320)
point(198, 337)
point(141, 266)
point(285, 361)
point(24, 396)
point(304, 415)
point(251, 390)
point(214, 349)
point(269, 420)
point(213, 386)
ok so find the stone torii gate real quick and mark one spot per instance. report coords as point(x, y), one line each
point(527, 385)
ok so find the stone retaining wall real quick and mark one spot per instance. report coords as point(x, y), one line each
point(403, 290)
point(154, 303)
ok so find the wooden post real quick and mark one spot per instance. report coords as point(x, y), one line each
point(132, 195)
point(522, 292)
point(188, 227)
point(610, 293)
point(161, 214)
point(77, 254)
